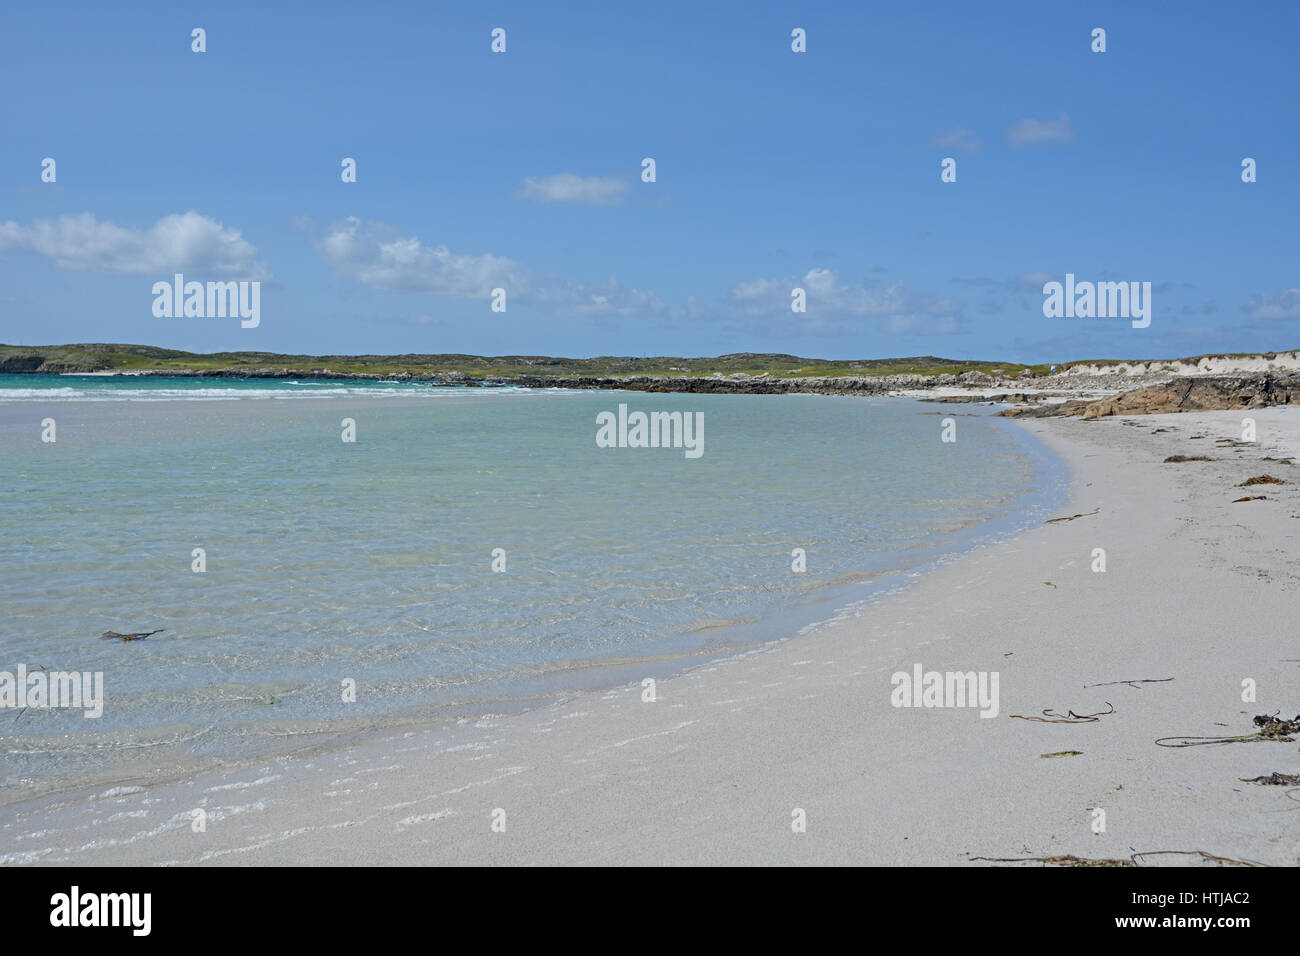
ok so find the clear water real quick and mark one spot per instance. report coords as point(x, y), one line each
point(372, 561)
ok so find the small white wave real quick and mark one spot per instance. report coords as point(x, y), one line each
point(120, 792)
point(309, 390)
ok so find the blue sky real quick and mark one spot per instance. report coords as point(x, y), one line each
point(775, 169)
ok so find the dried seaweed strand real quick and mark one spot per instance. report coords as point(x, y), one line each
point(1274, 779)
point(1071, 860)
point(1202, 853)
point(1050, 716)
point(1071, 517)
point(1270, 728)
point(1064, 860)
point(1206, 741)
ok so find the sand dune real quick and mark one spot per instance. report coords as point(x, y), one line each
point(1199, 365)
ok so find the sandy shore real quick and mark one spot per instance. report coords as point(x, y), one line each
point(1197, 589)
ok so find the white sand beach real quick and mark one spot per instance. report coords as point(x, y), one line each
point(1197, 588)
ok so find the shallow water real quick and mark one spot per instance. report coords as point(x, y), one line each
point(372, 561)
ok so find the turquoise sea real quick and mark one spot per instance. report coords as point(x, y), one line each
point(328, 562)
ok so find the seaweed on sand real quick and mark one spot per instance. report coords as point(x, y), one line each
point(1071, 517)
point(1270, 728)
point(1050, 716)
point(138, 636)
point(1134, 860)
point(1275, 779)
point(1273, 729)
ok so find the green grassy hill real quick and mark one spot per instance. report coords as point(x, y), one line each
point(138, 358)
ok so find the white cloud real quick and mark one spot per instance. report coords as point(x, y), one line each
point(761, 292)
point(1033, 132)
point(1033, 281)
point(567, 187)
point(1025, 282)
point(831, 304)
point(379, 256)
point(176, 243)
point(959, 139)
point(580, 298)
point(1284, 306)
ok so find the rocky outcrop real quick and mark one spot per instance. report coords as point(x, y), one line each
point(767, 385)
point(1209, 393)
point(16, 364)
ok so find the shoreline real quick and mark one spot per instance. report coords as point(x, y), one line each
point(972, 386)
point(1088, 391)
point(516, 693)
point(711, 771)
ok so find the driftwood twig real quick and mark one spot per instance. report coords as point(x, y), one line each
point(1071, 517)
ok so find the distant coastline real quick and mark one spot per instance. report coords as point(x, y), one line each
point(737, 373)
